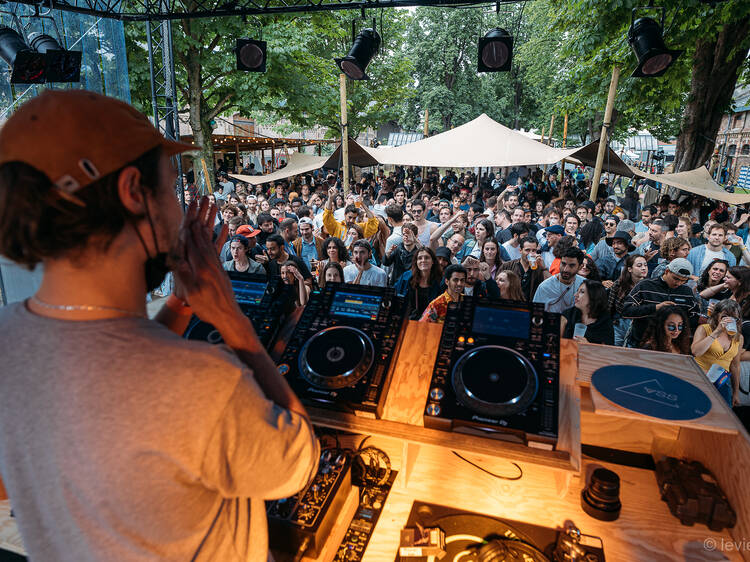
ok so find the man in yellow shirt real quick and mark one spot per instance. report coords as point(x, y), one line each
point(339, 229)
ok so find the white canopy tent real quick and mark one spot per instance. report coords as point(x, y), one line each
point(482, 142)
point(699, 182)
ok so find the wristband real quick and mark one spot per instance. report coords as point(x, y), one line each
point(178, 306)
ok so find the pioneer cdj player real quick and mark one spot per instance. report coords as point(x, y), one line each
point(497, 371)
point(265, 303)
point(341, 351)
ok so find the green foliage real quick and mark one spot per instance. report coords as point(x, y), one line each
point(301, 83)
point(586, 38)
point(443, 45)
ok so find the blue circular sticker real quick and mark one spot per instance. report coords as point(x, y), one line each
point(283, 369)
point(651, 392)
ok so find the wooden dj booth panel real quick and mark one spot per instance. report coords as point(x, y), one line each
point(548, 494)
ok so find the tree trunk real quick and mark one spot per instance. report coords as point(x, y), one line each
point(202, 130)
point(716, 67)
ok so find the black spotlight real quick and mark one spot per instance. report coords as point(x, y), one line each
point(495, 51)
point(645, 38)
point(251, 55)
point(364, 48)
point(44, 61)
point(61, 65)
point(27, 66)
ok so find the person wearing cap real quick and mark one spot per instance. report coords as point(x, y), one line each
point(601, 248)
point(251, 234)
point(362, 271)
point(649, 295)
point(308, 245)
point(444, 257)
point(553, 235)
point(610, 265)
point(120, 439)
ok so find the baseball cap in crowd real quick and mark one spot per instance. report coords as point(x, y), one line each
point(247, 231)
point(555, 229)
point(621, 235)
point(589, 205)
point(443, 252)
point(76, 137)
point(306, 220)
point(680, 266)
point(626, 225)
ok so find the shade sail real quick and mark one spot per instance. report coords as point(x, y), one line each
point(358, 156)
point(298, 163)
point(699, 182)
point(612, 163)
point(481, 142)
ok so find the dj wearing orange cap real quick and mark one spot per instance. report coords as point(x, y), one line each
point(119, 440)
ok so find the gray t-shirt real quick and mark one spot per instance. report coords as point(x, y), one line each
point(555, 295)
point(119, 440)
point(373, 276)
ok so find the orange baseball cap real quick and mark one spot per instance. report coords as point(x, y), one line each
point(247, 231)
point(76, 137)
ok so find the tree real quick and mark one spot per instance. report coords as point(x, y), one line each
point(443, 48)
point(301, 81)
point(688, 101)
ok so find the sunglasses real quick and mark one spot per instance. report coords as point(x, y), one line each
point(674, 328)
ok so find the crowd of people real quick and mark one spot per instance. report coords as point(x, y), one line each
point(670, 277)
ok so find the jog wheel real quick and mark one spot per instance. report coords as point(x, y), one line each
point(199, 330)
point(495, 381)
point(336, 357)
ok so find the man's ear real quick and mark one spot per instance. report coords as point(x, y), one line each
point(131, 191)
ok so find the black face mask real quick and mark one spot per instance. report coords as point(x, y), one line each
point(156, 267)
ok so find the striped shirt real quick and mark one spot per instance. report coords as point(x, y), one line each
point(640, 304)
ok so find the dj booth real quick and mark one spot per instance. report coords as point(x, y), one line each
point(490, 438)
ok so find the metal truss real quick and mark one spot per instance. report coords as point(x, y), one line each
point(159, 10)
point(164, 86)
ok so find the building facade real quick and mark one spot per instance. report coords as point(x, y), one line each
point(733, 138)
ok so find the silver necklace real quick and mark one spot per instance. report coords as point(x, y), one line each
point(84, 308)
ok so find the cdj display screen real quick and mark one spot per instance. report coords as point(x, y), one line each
point(506, 322)
point(353, 305)
point(248, 293)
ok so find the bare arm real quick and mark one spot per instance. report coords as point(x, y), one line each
point(734, 371)
point(709, 292)
point(209, 292)
point(439, 231)
point(702, 341)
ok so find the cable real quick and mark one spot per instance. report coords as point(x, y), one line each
point(520, 471)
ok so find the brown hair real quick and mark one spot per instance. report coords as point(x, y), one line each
point(514, 284)
point(37, 224)
point(671, 245)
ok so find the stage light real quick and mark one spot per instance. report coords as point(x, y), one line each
point(495, 51)
point(645, 38)
point(27, 66)
point(251, 55)
point(43, 61)
point(61, 65)
point(364, 48)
